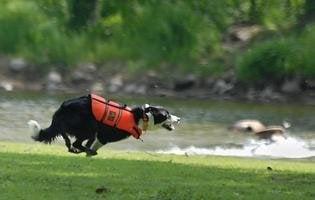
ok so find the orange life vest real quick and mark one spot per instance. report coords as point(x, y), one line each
point(115, 115)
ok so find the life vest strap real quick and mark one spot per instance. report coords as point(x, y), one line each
point(105, 112)
point(138, 131)
point(118, 118)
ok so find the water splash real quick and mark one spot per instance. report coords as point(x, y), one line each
point(282, 148)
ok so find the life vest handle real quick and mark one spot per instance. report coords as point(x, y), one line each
point(122, 106)
point(107, 102)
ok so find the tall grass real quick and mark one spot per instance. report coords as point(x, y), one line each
point(305, 54)
point(182, 35)
point(277, 59)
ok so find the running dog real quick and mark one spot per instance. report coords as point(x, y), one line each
point(100, 121)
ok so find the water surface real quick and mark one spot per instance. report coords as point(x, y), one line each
point(203, 129)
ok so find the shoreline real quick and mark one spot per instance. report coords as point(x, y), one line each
point(142, 90)
point(89, 79)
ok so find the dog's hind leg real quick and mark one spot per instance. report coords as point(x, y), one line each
point(67, 142)
point(89, 143)
point(78, 146)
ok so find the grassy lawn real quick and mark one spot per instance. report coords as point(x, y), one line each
point(35, 171)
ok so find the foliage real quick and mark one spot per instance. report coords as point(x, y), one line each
point(187, 35)
point(305, 54)
point(268, 61)
point(280, 58)
point(16, 24)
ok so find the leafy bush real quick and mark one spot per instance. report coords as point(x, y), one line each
point(266, 62)
point(168, 37)
point(273, 61)
point(305, 55)
point(26, 30)
point(16, 24)
point(184, 34)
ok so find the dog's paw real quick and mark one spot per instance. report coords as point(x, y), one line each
point(90, 153)
point(74, 150)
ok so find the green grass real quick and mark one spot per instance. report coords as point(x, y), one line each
point(34, 171)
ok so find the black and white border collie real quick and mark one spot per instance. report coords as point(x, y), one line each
point(75, 118)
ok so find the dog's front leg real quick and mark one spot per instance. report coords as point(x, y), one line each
point(95, 146)
point(89, 151)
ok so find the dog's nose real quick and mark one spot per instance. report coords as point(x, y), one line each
point(178, 120)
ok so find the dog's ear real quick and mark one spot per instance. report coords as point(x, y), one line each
point(153, 110)
point(147, 108)
point(138, 112)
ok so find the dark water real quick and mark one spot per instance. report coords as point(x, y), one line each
point(203, 129)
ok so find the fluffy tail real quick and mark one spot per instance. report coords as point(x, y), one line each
point(42, 135)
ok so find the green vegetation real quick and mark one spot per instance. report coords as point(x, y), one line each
point(279, 59)
point(34, 171)
point(186, 36)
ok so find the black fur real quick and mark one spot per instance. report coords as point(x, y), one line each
point(75, 118)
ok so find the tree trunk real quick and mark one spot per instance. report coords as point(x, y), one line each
point(309, 11)
point(83, 13)
point(253, 12)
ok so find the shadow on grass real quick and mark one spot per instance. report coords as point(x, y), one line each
point(33, 176)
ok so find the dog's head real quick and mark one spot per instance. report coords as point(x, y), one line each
point(161, 117)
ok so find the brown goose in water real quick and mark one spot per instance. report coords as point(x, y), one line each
point(259, 129)
point(274, 130)
point(247, 125)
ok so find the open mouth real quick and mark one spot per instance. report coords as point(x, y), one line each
point(169, 127)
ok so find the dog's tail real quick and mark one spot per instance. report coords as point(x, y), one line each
point(42, 135)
